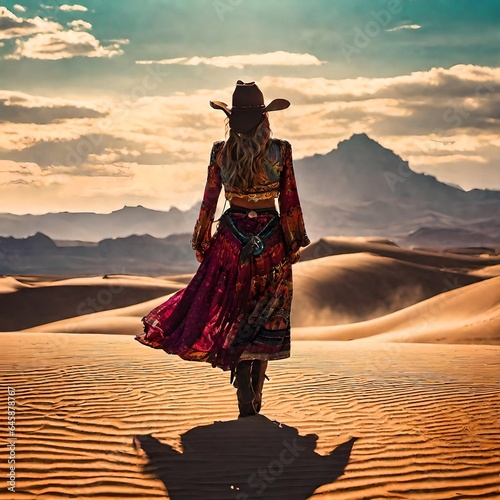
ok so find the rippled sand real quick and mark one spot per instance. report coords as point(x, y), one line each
point(103, 417)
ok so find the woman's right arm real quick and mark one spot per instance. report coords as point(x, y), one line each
point(202, 233)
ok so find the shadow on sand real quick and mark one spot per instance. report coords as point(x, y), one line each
point(243, 459)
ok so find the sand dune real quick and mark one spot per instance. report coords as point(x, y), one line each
point(487, 272)
point(333, 245)
point(354, 287)
point(469, 315)
point(121, 321)
point(337, 297)
point(33, 303)
point(424, 418)
point(337, 289)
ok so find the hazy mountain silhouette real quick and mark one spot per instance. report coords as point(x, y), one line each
point(361, 171)
point(359, 188)
point(143, 254)
point(362, 188)
point(89, 226)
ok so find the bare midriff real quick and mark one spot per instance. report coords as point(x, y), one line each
point(238, 201)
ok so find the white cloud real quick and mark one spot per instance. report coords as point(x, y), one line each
point(39, 38)
point(406, 27)
point(123, 41)
point(20, 8)
point(12, 26)
point(63, 45)
point(75, 7)
point(278, 58)
point(80, 25)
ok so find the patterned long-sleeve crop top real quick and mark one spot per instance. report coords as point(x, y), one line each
point(278, 182)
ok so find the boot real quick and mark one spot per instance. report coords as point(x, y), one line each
point(244, 390)
point(258, 376)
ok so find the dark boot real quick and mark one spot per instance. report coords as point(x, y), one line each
point(258, 376)
point(244, 390)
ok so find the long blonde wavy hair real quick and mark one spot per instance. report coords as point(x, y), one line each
point(243, 155)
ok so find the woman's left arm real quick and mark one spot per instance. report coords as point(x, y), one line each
point(202, 233)
point(291, 217)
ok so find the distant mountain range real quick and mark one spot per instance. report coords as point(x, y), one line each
point(359, 188)
point(363, 188)
point(360, 171)
point(143, 255)
point(89, 226)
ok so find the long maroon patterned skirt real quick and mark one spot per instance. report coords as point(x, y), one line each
point(232, 309)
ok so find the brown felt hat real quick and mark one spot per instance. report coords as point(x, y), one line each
point(248, 107)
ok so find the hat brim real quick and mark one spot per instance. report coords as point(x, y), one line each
point(277, 104)
point(221, 105)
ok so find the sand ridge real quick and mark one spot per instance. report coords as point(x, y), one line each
point(333, 245)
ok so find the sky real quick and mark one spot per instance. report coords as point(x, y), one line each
point(106, 103)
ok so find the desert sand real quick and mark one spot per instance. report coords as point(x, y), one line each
point(392, 390)
point(102, 417)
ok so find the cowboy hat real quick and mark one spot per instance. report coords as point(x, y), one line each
point(248, 107)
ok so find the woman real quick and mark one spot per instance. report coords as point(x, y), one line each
point(235, 312)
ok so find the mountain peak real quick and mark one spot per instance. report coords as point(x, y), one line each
point(360, 137)
point(132, 209)
point(360, 152)
point(359, 140)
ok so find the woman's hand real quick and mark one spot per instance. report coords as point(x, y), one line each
point(294, 257)
point(199, 256)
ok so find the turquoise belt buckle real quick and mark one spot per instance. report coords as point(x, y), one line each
point(257, 245)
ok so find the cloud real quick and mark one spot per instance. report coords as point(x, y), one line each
point(39, 38)
point(15, 182)
point(24, 170)
point(278, 58)
point(30, 100)
point(19, 7)
point(406, 27)
point(79, 25)
point(436, 85)
point(63, 45)
point(20, 108)
point(12, 26)
point(76, 7)
point(90, 150)
point(59, 188)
